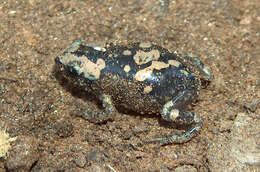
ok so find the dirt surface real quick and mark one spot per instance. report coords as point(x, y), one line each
point(40, 113)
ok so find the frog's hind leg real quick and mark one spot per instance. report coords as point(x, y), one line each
point(172, 112)
point(106, 114)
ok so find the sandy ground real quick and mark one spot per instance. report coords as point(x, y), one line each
point(42, 132)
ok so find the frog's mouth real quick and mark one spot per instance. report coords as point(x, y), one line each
point(64, 70)
point(74, 83)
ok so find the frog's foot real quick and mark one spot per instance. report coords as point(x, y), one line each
point(172, 112)
point(106, 114)
point(185, 137)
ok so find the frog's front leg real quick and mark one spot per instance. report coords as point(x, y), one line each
point(172, 112)
point(106, 114)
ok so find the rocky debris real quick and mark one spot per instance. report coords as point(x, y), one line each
point(23, 154)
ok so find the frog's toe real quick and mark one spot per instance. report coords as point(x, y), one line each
point(204, 70)
point(96, 117)
point(183, 138)
point(161, 140)
point(106, 114)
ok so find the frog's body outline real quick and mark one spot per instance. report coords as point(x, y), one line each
point(143, 77)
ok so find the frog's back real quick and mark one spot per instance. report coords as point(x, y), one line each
point(140, 75)
point(145, 76)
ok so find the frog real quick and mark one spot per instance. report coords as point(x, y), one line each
point(139, 76)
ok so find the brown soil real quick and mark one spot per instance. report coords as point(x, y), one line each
point(40, 113)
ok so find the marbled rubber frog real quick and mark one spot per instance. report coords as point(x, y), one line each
point(142, 77)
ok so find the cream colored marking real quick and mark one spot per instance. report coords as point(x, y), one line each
point(167, 106)
point(174, 114)
point(148, 89)
point(174, 63)
point(100, 49)
point(127, 68)
point(184, 72)
point(101, 63)
point(127, 53)
point(159, 65)
point(207, 71)
point(83, 65)
point(143, 74)
point(145, 45)
point(142, 57)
